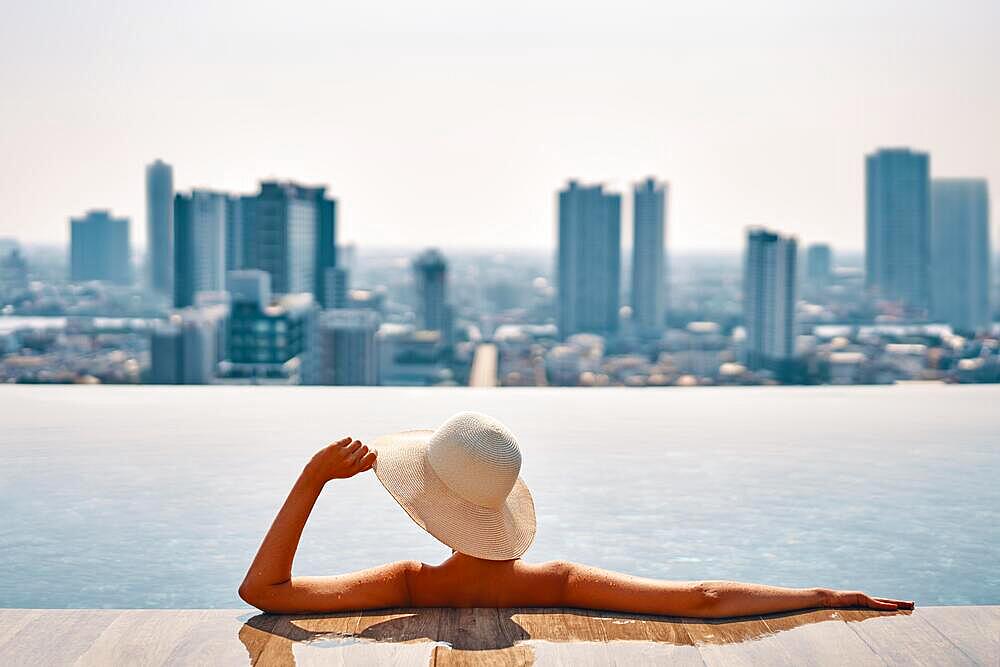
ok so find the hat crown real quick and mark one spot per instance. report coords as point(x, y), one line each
point(476, 457)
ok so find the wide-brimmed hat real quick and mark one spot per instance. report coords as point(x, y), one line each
point(460, 483)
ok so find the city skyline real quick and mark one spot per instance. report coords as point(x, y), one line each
point(493, 114)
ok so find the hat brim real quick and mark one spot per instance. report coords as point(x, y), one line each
point(501, 533)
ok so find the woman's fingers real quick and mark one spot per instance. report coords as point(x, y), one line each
point(355, 453)
point(881, 605)
point(367, 461)
point(900, 604)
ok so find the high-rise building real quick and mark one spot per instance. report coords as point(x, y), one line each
point(99, 248)
point(280, 235)
point(431, 279)
point(347, 257)
point(345, 348)
point(184, 350)
point(267, 338)
point(960, 253)
point(898, 226)
point(649, 289)
point(13, 271)
point(819, 265)
point(200, 221)
point(326, 243)
point(160, 226)
point(249, 286)
point(589, 260)
point(234, 232)
point(769, 294)
point(336, 287)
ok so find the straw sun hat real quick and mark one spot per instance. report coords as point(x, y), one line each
point(460, 483)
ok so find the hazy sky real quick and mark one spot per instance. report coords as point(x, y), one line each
point(455, 123)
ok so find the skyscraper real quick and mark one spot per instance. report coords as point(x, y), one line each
point(13, 271)
point(267, 338)
point(960, 253)
point(200, 221)
point(589, 260)
point(326, 243)
point(160, 226)
point(335, 287)
point(234, 232)
point(99, 248)
point(897, 216)
point(279, 235)
point(819, 265)
point(769, 294)
point(345, 347)
point(649, 211)
point(431, 274)
point(184, 350)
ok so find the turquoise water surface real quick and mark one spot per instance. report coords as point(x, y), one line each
point(159, 496)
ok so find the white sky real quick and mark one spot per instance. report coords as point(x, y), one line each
point(455, 123)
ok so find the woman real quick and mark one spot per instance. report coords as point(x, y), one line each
point(460, 483)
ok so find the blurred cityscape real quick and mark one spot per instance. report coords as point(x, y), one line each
point(255, 289)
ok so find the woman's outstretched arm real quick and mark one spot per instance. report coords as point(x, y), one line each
point(593, 588)
point(269, 584)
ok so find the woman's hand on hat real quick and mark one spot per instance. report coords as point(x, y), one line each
point(344, 458)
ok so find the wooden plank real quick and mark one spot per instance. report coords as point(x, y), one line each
point(819, 637)
point(564, 636)
point(743, 641)
point(638, 639)
point(316, 628)
point(56, 636)
point(215, 640)
point(558, 625)
point(973, 630)
point(140, 637)
point(12, 620)
point(399, 637)
point(262, 645)
point(934, 635)
point(903, 638)
point(472, 629)
point(617, 626)
point(300, 639)
point(403, 625)
point(480, 637)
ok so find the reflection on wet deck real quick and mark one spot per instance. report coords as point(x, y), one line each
point(929, 635)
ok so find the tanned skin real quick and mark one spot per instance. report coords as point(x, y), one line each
point(465, 581)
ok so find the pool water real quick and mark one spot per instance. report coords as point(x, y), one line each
point(159, 496)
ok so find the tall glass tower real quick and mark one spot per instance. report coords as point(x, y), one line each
point(589, 260)
point(769, 293)
point(898, 227)
point(199, 245)
point(160, 227)
point(431, 273)
point(960, 253)
point(649, 290)
point(99, 248)
point(280, 235)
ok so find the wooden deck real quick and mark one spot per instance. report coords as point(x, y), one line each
point(927, 636)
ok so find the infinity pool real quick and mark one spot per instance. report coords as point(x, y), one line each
point(159, 496)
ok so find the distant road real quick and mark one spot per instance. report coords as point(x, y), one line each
point(484, 366)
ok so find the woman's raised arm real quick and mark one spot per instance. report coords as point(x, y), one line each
point(269, 584)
